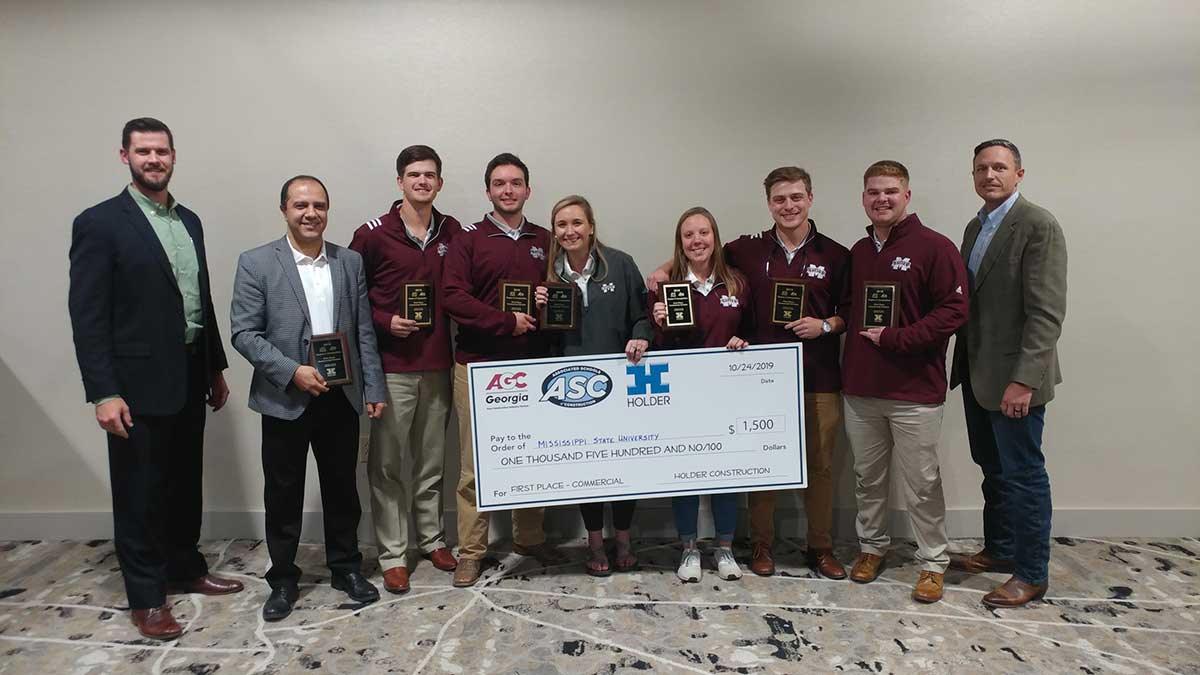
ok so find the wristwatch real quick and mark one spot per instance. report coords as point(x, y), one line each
point(825, 327)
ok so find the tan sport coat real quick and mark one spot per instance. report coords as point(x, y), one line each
point(1018, 302)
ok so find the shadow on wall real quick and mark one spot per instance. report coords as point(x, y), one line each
point(51, 473)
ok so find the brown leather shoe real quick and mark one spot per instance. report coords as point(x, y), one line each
point(206, 585)
point(821, 561)
point(156, 623)
point(468, 572)
point(544, 552)
point(929, 587)
point(1014, 593)
point(761, 562)
point(866, 568)
point(395, 580)
point(980, 562)
point(442, 559)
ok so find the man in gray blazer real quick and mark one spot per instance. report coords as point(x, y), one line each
point(285, 292)
point(1007, 361)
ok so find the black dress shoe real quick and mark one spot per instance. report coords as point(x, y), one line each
point(279, 605)
point(356, 586)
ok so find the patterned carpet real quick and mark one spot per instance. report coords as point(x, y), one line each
point(1128, 606)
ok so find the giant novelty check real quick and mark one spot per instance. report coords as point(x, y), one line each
point(594, 428)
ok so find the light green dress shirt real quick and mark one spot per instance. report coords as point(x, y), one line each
point(181, 253)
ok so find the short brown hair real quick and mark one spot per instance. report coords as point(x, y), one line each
point(787, 174)
point(145, 125)
point(886, 167)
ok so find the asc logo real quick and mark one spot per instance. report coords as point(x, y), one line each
point(576, 387)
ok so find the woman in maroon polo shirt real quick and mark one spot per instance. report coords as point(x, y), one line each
point(722, 312)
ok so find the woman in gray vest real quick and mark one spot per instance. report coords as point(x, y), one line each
point(611, 318)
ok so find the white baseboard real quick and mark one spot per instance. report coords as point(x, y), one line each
point(653, 519)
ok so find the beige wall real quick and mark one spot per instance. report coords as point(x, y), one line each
point(647, 108)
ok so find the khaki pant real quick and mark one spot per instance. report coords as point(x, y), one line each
point(406, 453)
point(473, 525)
point(822, 418)
point(878, 429)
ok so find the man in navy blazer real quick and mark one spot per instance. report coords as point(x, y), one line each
point(285, 293)
point(150, 354)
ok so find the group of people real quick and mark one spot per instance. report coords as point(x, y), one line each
point(151, 357)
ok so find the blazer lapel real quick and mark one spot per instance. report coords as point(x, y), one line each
point(969, 237)
point(283, 252)
point(142, 226)
point(1004, 232)
point(337, 275)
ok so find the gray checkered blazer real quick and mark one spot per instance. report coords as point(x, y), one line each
point(270, 326)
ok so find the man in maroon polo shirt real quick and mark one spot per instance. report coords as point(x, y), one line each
point(908, 289)
point(504, 245)
point(402, 253)
point(794, 251)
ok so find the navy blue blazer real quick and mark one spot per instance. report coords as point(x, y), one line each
point(127, 311)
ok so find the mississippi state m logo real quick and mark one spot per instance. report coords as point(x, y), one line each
point(901, 264)
point(647, 379)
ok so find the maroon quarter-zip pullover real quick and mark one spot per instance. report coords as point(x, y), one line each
point(391, 259)
point(479, 258)
point(910, 362)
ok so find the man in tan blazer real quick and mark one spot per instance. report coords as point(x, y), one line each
point(1006, 360)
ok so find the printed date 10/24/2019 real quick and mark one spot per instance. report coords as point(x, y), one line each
point(751, 367)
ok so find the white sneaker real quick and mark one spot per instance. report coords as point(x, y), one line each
point(689, 565)
point(727, 567)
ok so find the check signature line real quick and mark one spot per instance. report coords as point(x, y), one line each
point(709, 480)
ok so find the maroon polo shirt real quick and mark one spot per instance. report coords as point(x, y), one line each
point(910, 362)
point(823, 265)
point(719, 316)
point(391, 259)
point(479, 258)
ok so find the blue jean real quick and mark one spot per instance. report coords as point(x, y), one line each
point(1016, 488)
point(687, 511)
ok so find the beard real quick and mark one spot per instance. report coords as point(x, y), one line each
point(508, 212)
point(144, 181)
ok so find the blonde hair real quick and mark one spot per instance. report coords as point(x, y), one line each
point(679, 263)
point(595, 246)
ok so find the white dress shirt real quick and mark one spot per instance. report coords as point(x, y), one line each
point(563, 268)
point(705, 286)
point(318, 288)
point(513, 233)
